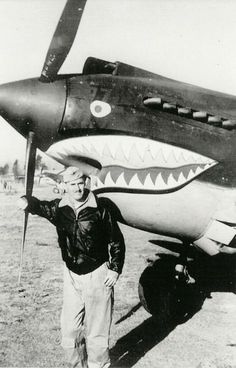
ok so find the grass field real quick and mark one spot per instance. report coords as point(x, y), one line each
point(29, 314)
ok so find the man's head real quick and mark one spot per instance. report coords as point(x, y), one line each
point(74, 180)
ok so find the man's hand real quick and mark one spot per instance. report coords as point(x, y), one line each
point(22, 203)
point(111, 278)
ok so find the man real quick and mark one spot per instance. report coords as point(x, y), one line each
point(92, 248)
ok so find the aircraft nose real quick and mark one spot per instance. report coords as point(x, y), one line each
point(30, 105)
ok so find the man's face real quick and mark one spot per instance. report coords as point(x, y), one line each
point(76, 189)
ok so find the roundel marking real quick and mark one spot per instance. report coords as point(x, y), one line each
point(99, 109)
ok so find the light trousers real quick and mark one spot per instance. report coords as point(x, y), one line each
point(87, 305)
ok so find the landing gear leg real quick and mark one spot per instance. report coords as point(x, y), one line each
point(182, 274)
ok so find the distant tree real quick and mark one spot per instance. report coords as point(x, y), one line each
point(44, 166)
point(16, 169)
point(5, 169)
point(38, 162)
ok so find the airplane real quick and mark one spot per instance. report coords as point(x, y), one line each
point(159, 152)
point(54, 178)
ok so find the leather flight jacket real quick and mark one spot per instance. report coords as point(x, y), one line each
point(87, 239)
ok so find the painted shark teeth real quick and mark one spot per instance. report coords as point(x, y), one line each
point(121, 181)
point(133, 162)
point(132, 152)
point(171, 181)
point(148, 183)
point(159, 183)
point(108, 180)
point(191, 175)
point(162, 182)
point(135, 182)
point(181, 179)
point(99, 183)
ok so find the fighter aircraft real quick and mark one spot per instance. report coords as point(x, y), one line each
point(160, 152)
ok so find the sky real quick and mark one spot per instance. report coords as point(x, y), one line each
point(187, 40)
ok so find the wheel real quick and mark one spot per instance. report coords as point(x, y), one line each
point(165, 297)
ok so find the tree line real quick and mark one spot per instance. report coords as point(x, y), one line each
point(18, 171)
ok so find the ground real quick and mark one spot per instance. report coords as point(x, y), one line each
point(30, 313)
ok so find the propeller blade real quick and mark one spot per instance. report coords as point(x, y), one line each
point(63, 39)
point(29, 182)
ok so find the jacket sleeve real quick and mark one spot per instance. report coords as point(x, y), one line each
point(46, 209)
point(116, 244)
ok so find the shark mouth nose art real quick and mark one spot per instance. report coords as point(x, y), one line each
point(132, 163)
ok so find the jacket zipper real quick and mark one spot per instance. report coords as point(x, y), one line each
point(74, 231)
point(75, 225)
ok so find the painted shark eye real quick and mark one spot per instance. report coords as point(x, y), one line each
point(99, 109)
